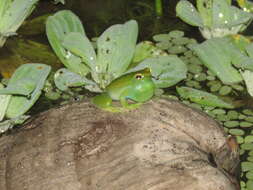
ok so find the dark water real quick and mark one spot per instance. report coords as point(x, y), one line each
point(97, 15)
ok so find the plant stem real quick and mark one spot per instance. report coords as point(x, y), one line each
point(158, 8)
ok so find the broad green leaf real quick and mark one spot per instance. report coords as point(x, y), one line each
point(8, 124)
point(239, 17)
point(25, 79)
point(165, 70)
point(58, 27)
point(115, 50)
point(4, 101)
point(64, 79)
point(202, 97)
point(221, 14)
point(4, 5)
point(240, 50)
point(249, 50)
point(205, 8)
point(248, 78)
point(19, 105)
point(80, 45)
point(15, 13)
point(145, 49)
point(12, 14)
point(215, 57)
point(187, 12)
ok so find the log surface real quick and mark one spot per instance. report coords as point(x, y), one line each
point(163, 145)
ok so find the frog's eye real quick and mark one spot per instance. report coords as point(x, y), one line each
point(139, 76)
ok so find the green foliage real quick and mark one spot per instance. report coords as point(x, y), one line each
point(58, 27)
point(12, 14)
point(116, 52)
point(215, 18)
point(25, 88)
point(202, 97)
point(216, 54)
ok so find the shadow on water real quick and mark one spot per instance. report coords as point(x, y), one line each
point(97, 15)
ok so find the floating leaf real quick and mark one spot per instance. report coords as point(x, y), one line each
point(215, 56)
point(145, 49)
point(4, 101)
point(166, 70)
point(187, 12)
point(24, 79)
point(81, 46)
point(18, 105)
point(64, 79)
point(248, 78)
point(12, 14)
point(58, 27)
point(205, 10)
point(202, 97)
point(115, 50)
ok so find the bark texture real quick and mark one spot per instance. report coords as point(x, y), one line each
point(163, 145)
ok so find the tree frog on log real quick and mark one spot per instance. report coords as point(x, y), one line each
point(136, 86)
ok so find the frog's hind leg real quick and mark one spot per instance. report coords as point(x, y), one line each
point(102, 100)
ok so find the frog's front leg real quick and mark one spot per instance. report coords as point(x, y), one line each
point(126, 105)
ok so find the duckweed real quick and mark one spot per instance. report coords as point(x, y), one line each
point(222, 117)
point(181, 41)
point(176, 34)
point(233, 114)
point(188, 54)
point(249, 139)
point(249, 175)
point(164, 45)
point(194, 68)
point(161, 37)
point(236, 132)
point(239, 139)
point(237, 87)
point(219, 111)
point(246, 166)
point(249, 119)
point(248, 112)
point(210, 77)
point(247, 146)
point(241, 116)
point(215, 87)
point(249, 184)
point(200, 77)
point(177, 49)
point(250, 158)
point(195, 60)
point(231, 124)
point(246, 124)
point(225, 90)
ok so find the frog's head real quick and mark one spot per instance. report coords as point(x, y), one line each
point(142, 86)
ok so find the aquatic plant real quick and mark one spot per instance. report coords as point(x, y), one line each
point(215, 18)
point(23, 90)
point(96, 69)
point(12, 15)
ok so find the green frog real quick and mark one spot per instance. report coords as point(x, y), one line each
point(137, 86)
